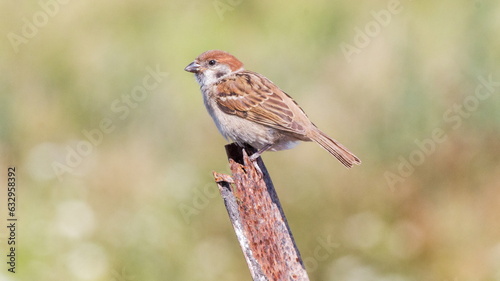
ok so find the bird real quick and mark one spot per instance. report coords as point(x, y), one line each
point(248, 108)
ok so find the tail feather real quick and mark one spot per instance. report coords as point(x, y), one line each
point(335, 148)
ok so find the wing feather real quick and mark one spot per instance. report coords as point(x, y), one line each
point(252, 96)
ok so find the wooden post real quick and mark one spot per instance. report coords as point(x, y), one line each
point(258, 219)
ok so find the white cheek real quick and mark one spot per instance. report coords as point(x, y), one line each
point(206, 78)
point(210, 77)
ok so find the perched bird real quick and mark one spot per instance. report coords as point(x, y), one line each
point(249, 109)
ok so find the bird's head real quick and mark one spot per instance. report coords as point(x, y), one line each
point(212, 65)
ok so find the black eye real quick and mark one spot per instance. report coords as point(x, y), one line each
point(212, 62)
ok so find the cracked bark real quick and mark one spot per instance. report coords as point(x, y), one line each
point(258, 219)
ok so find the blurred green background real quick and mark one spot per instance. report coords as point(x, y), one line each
point(114, 149)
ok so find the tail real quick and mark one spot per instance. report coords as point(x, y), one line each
point(335, 148)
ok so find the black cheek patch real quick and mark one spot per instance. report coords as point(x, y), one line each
point(219, 74)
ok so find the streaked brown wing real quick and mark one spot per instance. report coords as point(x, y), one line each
point(254, 97)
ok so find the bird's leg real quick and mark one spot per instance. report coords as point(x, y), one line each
point(259, 152)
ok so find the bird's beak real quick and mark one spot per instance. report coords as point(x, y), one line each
point(193, 67)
